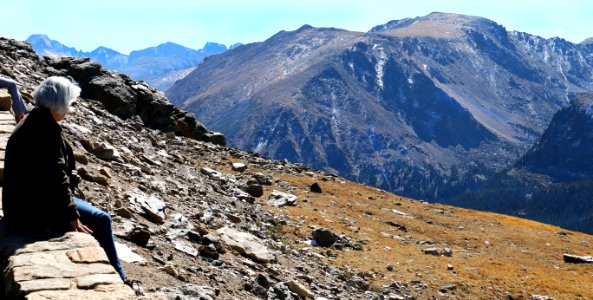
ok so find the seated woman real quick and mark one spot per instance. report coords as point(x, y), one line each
point(38, 181)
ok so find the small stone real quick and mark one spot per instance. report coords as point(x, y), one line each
point(541, 297)
point(315, 188)
point(300, 289)
point(80, 157)
point(123, 212)
point(93, 176)
point(139, 236)
point(324, 237)
point(448, 287)
point(233, 218)
point(208, 251)
point(575, 259)
point(357, 246)
point(185, 247)
point(447, 252)
point(279, 199)
point(152, 206)
point(262, 280)
point(432, 251)
point(239, 167)
point(263, 179)
point(450, 267)
point(255, 190)
point(106, 151)
point(170, 269)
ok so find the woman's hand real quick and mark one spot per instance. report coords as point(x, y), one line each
point(80, 227)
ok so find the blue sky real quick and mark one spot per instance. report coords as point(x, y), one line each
point(126, 25)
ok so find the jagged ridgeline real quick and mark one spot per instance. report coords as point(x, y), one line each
point(159, 66)
point(427, 107)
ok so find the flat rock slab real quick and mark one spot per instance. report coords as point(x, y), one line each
point(246, 244)
point(71, 266)
point(6, 128)
point(119, 291)
point(126, 254)
point(151, 206)
point(88, 255)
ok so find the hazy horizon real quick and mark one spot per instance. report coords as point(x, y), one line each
point(132, 25)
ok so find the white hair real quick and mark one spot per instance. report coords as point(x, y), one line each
point(57, 94)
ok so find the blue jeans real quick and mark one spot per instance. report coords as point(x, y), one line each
point(100, 223)
point(18, 106)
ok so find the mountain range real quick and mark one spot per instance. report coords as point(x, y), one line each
point(428, 107)
point(159, 66)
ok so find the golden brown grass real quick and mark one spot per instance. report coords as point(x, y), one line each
point(493, 254)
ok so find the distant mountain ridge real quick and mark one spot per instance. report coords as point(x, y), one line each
point(159, 66)
point(428, 107)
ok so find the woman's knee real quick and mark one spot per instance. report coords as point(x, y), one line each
point(104, 218)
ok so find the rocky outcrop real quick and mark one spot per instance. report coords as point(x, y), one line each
point(127, 98)
point(119, 94)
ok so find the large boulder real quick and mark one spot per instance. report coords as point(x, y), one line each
point(246, 244)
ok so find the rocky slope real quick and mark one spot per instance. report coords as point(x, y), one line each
point(553, 181)
point(427, 107)
point(159, 66)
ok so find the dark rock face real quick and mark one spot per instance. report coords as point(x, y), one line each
point(564, 151)
point(553, 181)
point(126, 98)
point(427, 107)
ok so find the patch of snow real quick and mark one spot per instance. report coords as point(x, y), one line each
point(351, 66)
point(380, 66)
point(261, 145)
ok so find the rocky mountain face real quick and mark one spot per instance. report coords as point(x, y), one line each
point(159, 66)
point(427, 107)
point(564, 151)
point(553, 181)
point(44, 46)
point(196, 220)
